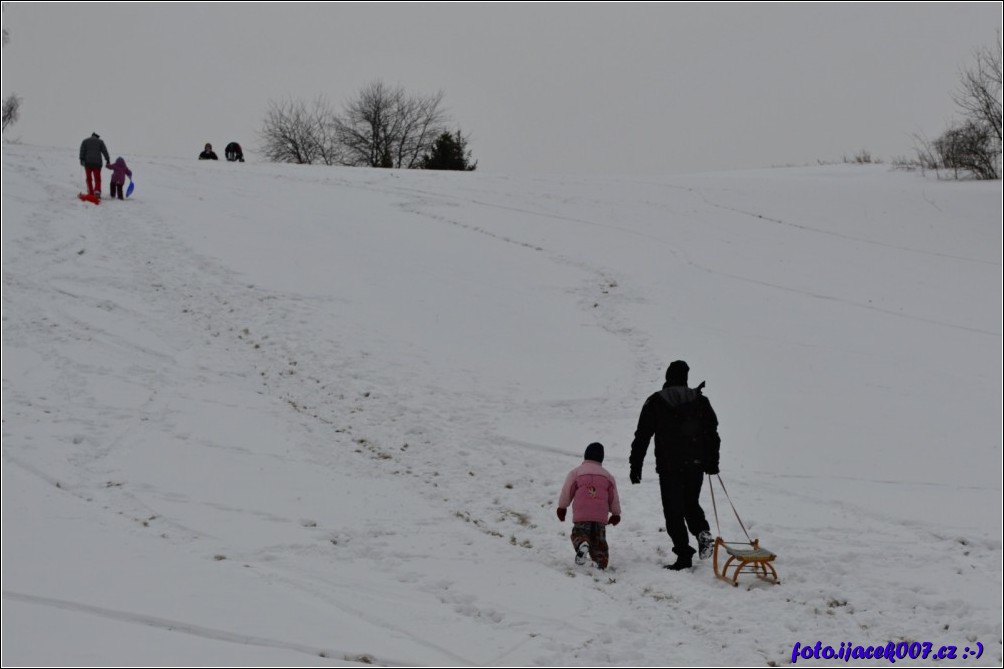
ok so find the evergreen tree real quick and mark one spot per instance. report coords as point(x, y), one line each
point(449, 152)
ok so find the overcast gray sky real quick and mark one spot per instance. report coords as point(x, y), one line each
point(563, 88)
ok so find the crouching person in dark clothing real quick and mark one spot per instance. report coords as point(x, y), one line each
point(234, 152)
point(687, 445)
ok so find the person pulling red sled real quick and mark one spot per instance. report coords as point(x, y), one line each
point(92, 150)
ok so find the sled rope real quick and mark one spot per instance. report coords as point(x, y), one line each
point(715, 506)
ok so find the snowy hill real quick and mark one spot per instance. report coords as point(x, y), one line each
point(274, 415)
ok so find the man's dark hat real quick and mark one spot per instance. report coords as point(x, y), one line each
point(677, 373)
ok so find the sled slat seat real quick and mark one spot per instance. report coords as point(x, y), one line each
point(745, 558)
point(753, 554)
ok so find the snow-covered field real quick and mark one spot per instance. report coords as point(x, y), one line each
point(274, 415)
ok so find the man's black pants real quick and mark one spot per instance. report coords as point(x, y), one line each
point(681, 494)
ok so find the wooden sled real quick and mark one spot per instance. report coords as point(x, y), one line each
point(744, 558)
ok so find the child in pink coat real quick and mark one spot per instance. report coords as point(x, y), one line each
point(592, 492)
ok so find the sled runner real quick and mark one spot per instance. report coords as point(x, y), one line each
point(743, 557)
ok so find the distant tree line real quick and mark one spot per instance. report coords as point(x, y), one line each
point(971, 146)
point(382, 126)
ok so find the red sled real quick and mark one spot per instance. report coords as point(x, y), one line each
point(89, 198)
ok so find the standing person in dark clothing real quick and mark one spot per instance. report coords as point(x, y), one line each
point(234, 153)
point(92, 150)
point(686, 447)
point(208, 153)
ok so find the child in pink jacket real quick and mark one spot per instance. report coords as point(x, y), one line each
point(592, 492)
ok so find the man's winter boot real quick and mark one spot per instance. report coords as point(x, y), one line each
point(682, 562)
point(582, 553)
point(705, 544)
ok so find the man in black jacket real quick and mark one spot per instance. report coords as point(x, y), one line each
point(686, 447)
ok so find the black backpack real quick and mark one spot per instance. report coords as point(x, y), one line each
point(696, 439)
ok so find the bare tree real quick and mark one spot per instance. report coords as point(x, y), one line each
point(422, 120)
point(295, 132)
point(11, 110)
point(364, 126)
point(329, 151)
point(979, 96)
point(968, 148)
point(972, 147)
point(386, 127)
